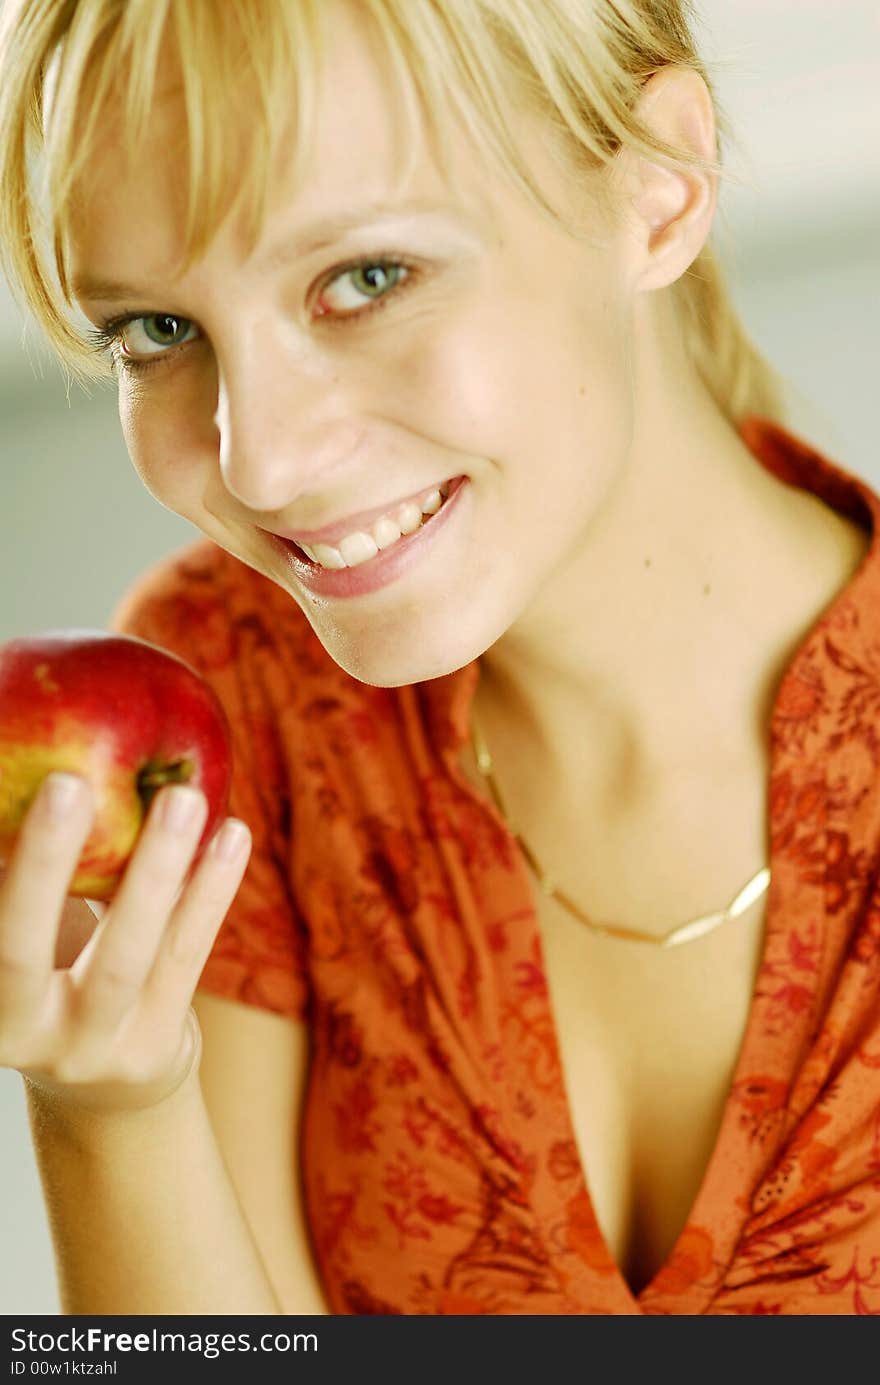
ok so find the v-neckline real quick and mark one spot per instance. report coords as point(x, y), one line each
point(629, 1301)
point(699, 1218)
point(667, 1282)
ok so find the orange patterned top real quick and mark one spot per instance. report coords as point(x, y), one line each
point(388, 905)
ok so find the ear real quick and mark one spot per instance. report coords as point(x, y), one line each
point(669, 214)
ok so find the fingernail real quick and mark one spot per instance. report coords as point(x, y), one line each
point(62, 792)
point(231, 839)
point(179, 807)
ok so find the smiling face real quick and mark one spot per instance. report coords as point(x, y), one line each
point(480, 341)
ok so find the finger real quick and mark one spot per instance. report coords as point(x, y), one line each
point(199, 914)
point(113, 967)
point(35, 887)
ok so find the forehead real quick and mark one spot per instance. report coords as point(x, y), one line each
point(366, 146)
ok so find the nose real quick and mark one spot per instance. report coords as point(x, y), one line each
point(283, 430)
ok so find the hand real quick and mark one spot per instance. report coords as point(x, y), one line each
point(98, 1011)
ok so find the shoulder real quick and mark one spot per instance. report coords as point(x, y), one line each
point(250, 640)
point(210, 607)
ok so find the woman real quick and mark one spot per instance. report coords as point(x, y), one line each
point(512, 577)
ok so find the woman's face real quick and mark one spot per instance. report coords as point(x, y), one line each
point(290, 391)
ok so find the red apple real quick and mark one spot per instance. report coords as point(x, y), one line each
point(123, 713)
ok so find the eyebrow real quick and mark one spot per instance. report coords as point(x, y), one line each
point(318, 236)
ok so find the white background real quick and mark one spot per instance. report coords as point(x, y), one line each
point(799, 79)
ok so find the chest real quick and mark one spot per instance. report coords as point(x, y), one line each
point(648, 1041)
point(649, 1037)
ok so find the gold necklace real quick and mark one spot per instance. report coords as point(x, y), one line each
point(684, 934)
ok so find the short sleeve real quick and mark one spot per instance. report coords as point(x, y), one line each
point(189, 605)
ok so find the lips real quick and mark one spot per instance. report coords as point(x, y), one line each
point(386, 567)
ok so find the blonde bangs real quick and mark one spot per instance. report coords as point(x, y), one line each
point(207, 51)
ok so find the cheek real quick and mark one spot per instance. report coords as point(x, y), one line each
point(167, 446)
point(449, 385)
point(521, 372)
point(469, 387)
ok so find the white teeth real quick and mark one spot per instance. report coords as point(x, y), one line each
point(357, 548)
point(327, 556)
point(360, 546)
point(431, 503)
point(385, 532)
point(409, 517)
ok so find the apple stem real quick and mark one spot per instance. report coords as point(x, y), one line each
point(155, 777)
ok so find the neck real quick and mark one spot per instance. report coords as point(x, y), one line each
point(660, 642)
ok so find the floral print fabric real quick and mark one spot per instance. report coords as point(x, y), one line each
point(388, 907)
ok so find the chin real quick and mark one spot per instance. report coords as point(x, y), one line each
point(386, 658)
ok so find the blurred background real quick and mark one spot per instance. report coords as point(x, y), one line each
point(800, 81)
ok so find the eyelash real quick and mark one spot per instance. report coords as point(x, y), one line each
point(106, 339)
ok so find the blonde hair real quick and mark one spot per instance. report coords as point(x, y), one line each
point(581, 63)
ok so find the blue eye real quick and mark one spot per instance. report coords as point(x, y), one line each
point(373, 279)
point(114, 335)
point(164, 330)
